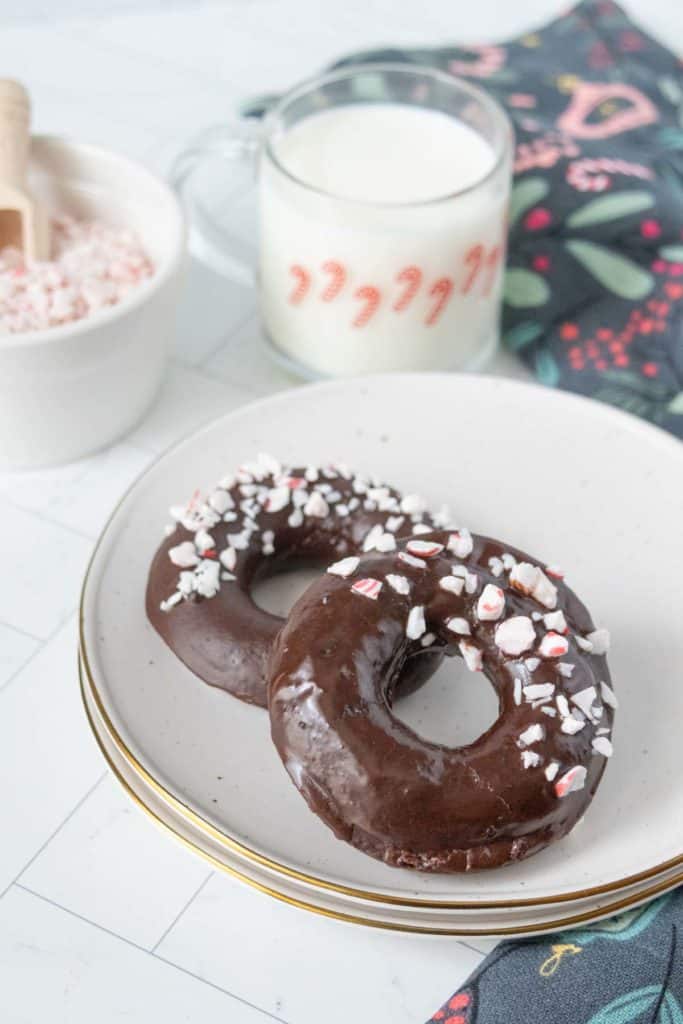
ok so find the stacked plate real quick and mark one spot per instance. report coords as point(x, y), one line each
point(579, 484)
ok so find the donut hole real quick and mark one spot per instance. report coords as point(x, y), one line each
point(453, 708)
point(276, 594)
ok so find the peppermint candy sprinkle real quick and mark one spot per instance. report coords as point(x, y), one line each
point(460, 543)
point(472, 656)
point(417, 563)
point(515, 635)
point(345, 567)
point(367, 588)
point(423, 548)
point(416, 625)
point(316, 506)
point(184, 555)
point(453, 584)
point(533, 582)
point(460, 626)
point(401, 584)
point(571, 781)
point(553, 646)
point(491, 604)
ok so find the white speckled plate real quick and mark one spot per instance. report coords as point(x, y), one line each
point(572, 481)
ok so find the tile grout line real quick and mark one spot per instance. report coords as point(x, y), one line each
point(147, 952)
point(180, 913)
point(22, 632)
point(76, 807)
point(252, 315)
point(473, 948)
point(43, 642)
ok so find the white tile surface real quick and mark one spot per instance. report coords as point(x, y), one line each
point(57, 969)
point(384, 977)
point(15, 650)
point(48, 759)
point(211, 308)
point(88, 868)
point(42, 565)
point(245, 358)
point(82, 494)
point(188, 399)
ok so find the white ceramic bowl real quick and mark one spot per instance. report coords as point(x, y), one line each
point(70, 390)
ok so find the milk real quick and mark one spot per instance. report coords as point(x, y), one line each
point(374, 254)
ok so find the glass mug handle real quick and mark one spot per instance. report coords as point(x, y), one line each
point(235, 145)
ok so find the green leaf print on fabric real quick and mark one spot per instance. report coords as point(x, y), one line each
point(623, 927)
point(674, 253)
point(670, 1011)
point(522, 335)
point(620, 275)
point(524, 289)
point(627, 1007)
point(525, 194)
point(675, 406)
point(606, 208)
point(546, 369)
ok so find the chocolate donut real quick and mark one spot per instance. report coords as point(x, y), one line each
point(523, 783)
point(255, 523)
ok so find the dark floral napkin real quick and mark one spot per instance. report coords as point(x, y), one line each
point(594, 287)
point(627, 970)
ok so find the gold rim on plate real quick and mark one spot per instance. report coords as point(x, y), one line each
point(561, 924)
point(252, 855)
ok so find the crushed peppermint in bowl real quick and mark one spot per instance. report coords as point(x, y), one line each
point(93, 265)
point(84, 336)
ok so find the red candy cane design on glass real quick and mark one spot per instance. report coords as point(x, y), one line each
point(473, 260)
point(491, 266)
point(412, 276)
point(337, 280)
point(303, 283)
point(372, 297)
point(442, 290)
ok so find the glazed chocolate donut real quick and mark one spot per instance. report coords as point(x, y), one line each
point(261, 520)
point(522, 784)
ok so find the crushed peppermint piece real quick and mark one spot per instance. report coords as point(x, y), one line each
point(427, 640)
point(552, 770)
point(453, 584)
point(532, 663)
point(394, 523)
point(220, 501)
point(509, 561)
point(496, 566)
point(419, 528)
point(311, 474)
point(599, 641)
point(333, 497)
point(556, 621)
point(515, 635)
point(471, 582)
point(413, 505)
point(471, 655)
point(533, 734)
point(609, 696)
point(169, 529)
point(555, 571)
point(562, 705)
point(601, 745)
point(367, 588)
point(460, 543)
point(299, 498)
point(571, 781)
point(378, 540)
point(171, 601)
point(316, 505)
point(184, 555)
point(530, 759)
point(517, 694)
point(324, 488)
point(295, 519)
point(345, 567)
point(538, 691)
point(342, 510)
point(491, 604)
point(460, 626)
point(536, 616)
point(533, 582)
point(228, 576)
point(267, 546)
point(553, 645)
point(207, 578)
point(401, 584)
point(549, 711)
point(204, 541)
point(571, 725)
point(424, 548)
point(228, 558)
point(417, 563)
point(277, 498)
point(416, 625)
point(239, 541)
point(566, 669)
point(585, 699)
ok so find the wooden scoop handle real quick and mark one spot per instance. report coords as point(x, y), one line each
point(15, 117)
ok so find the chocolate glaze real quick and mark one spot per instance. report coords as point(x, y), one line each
point(226, 638)
point(379, 785)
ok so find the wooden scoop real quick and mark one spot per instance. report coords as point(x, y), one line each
point(23, 221)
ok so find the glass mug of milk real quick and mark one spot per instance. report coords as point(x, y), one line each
point(383, 196)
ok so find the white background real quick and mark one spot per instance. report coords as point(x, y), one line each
point(102, 918)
